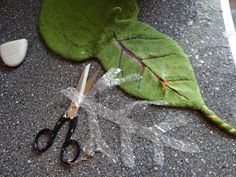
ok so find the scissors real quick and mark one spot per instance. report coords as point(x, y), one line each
point(70, 116)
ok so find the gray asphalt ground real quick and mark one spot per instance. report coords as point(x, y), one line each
point(30, 97)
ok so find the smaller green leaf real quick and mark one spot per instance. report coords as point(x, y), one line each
point(72, 28)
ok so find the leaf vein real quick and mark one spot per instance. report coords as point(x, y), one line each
point(143, 66)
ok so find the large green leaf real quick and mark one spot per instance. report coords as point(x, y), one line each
point(110, 31)
point(166, 72)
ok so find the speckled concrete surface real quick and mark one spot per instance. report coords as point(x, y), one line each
point(30, 98)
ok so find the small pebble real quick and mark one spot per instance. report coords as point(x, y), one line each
point(201, 61)
point(13, 52)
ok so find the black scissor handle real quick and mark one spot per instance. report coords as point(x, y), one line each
point(51, 135)
point(64, 151)
point(70, 142)
point(48, 133)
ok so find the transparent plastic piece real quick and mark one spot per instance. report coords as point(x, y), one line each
point(109, 79)
point(71, 93)
point(96, 143)
point(155, 133)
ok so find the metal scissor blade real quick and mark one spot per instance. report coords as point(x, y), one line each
point(82, 83)
point(91, 81)
point(74, 106)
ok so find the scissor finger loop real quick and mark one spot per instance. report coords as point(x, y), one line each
point(65, 152)
point(48, 133)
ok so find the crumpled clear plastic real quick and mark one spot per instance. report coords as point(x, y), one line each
point(109, 79)
point(155, 133)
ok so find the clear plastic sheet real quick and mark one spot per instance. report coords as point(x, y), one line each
point(95, 142)
point(155, 133)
